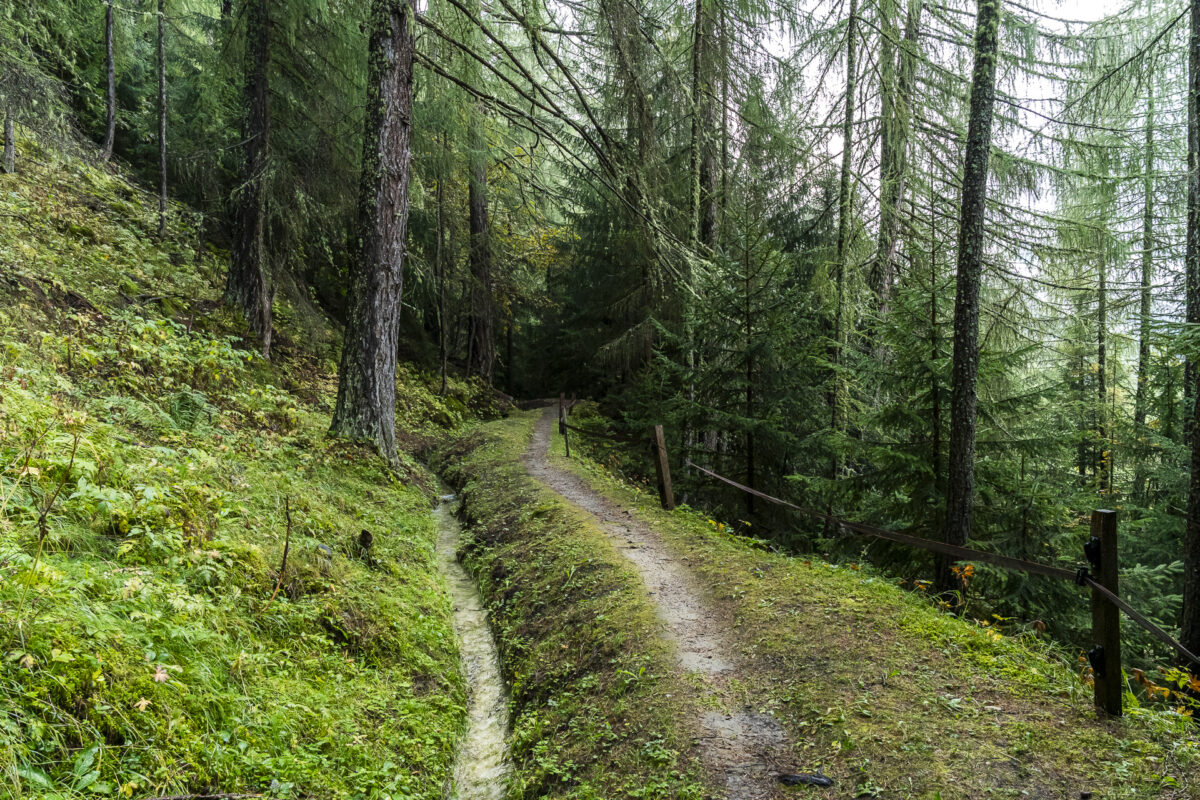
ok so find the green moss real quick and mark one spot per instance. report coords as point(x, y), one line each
point(597, 706)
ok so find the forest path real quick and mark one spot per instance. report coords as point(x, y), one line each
point(745, 750)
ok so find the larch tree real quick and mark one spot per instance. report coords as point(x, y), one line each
point(482, 320)
point(366, 399)
point(110, 71)
point(897, 76)
point(162, 118)
point(246, 286)
point(1141, 403)
point(960, 483)
point(1190, 632)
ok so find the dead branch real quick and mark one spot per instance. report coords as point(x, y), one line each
point(287, 542)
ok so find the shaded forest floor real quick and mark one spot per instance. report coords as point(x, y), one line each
point(872, 685)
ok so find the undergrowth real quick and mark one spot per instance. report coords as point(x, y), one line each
point(152, 469)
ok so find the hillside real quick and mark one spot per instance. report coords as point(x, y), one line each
point(152, 471)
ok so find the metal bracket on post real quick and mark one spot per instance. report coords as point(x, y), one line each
point(1105, 655)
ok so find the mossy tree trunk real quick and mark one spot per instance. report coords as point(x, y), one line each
point(482, 344)
point(1190, 631)
point(366, 401)
point(897, 76)
point(246, 285)
point(1141, 400)
point(845, 206)
point(162, 119)
point(960, 477)
point(9, 162)
point(110, 133)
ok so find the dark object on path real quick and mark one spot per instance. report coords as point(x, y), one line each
point(805, 779)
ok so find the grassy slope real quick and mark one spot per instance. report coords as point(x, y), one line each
point(139, 651)
point(896, 699)
point(596, 705)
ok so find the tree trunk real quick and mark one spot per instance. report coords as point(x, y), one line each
point(1190, 632)
point(893, 147)
point(960, 484)
point(110, 134)
point(162, 119)
point(1141, 396)
point(697, 120)
point(508, 356)
point(935, 348)
point(9, 163)
point(705, 167)
point(366, 402)
point(1103, 470)
point(440, 263)
point(483, 304)
point(246, 285)
point(845, 202)
point(749, 314)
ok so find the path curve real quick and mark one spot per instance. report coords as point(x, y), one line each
point(743, 749)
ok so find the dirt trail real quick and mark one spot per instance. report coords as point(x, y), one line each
point(744, 749)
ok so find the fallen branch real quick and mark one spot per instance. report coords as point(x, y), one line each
point(287, 543)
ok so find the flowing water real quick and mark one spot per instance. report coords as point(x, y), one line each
point(481, 769)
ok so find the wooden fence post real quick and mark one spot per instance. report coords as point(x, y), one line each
point(562, 424)
point(1105, 655)
point(666, 494)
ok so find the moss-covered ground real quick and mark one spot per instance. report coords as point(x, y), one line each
point(152, 468)
point(894, 698)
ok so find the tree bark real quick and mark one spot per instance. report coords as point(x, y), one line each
point(1141, 398)
point(162, 119)
point(845, 202)
point(110, 133)
point(1103, 469)
point(483, 304)
point(366, 402)
point(1190, 631)
point(9, 162)
point(893, 147)
point(440, 262)
point(960, 483)
point(246, 285)
point(697, 117)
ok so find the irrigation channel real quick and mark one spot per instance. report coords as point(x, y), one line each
point(481, 768)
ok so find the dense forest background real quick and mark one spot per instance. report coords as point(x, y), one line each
point(746, 220)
